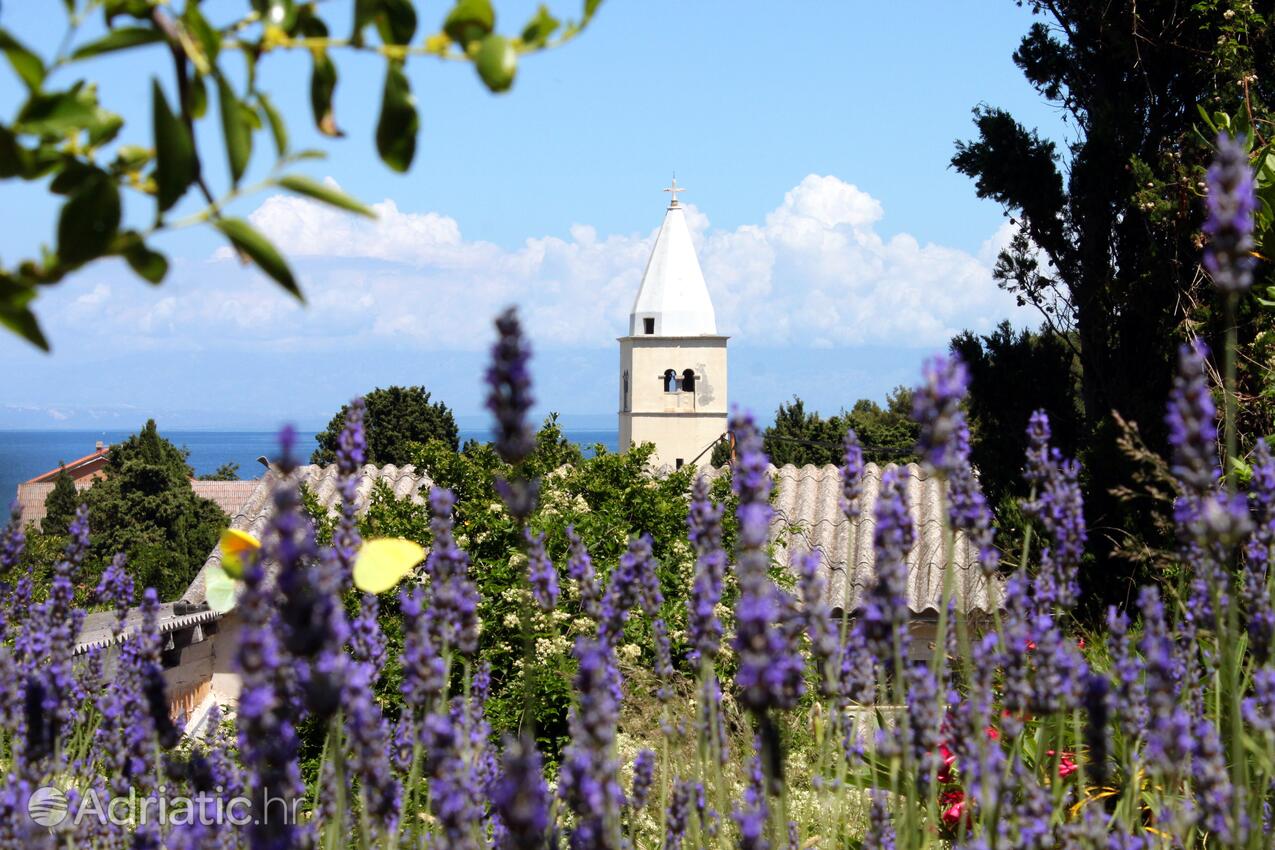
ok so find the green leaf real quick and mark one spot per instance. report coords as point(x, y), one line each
point(590, 9)
point(22, 322)
point(26, 64)
point(209, 39)
point(496, 63)
point(278, 130)
point(175, 163)
point(235, 129)
point(89, 219)
point(55, 114)
point(120, 39)
point(140, 9)
point(326, 194)
point(322, 84)
point(14, 158)
point(398, 125)
point(198, 104)
point(256, 247)
point(396, 21)
point(540, 28)
point(364, 13)
point(469, 20)
point(150, 265)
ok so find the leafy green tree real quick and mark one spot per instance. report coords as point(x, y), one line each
point(145, 507)
point(1011, 375)
point(397, 418)
point(799, 437)
point(66, 139)
point(225, 472)
point(61, 503)
point(1108, 229)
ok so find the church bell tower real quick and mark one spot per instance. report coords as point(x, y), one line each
point(673, 362)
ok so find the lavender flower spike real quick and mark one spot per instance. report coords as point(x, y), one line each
point(540, 571)
point(851, 474)
point(1231, 202)
point(1192, 421)
point(885, 606)
point(703, 625)
point(509, 382)
point(936, 407)
point(520, 797)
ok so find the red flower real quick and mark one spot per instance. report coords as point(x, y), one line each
point(1080, 644)
point(949, 759)
point(1066, 764)
point(993, 734)
point(955, 808)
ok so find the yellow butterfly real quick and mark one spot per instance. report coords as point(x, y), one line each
point(383, 562)
point(235, 546)
point(220, 590)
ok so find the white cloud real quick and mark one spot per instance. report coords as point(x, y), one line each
point(815, 272)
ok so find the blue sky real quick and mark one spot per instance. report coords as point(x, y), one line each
point(813, 139)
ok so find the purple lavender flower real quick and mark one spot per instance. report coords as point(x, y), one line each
point(351, 451)
point(880, 834)
point(678, 816)
point(587, 779)
point(580, 570)
point(1231, 202)
point(767, 625)
point(967, 508)
point(851, 474)
point(268, 741)
point(1257, 601)
point(369, 749)
point(12, 543)
point(885, 605)
point(454, 608)
point(116, 588)
point(643, 778)
point(1039, 457)
point(1169, 734)
point(703, 625)
point(454, 791)
point(367, 641)
point(857, 677)
point(1131, 698)
point(509, 398)
point(768, 628)
point(423, 669)
point(509, 383)
point(540, 571)
point(751, 817)
point(824, 640)
point(936, 407)
point(925, 721)
point(1059, 507)
point(520, 797)
point(1192, 422)
point(625, 589)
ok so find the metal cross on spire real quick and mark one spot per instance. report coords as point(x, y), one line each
point(673, 190)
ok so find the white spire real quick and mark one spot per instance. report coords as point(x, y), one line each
point(673, 294)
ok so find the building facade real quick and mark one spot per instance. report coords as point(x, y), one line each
point(673, 364)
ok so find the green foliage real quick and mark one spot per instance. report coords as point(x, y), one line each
point(608, 498)
point(63, 135)
point(1108, 227)
point(225, 472)
point(799, 437)
point(61, 503)
point(145, 507)
point(1011, 375)
point(397, 418)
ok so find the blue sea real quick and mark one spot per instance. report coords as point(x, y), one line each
point(25, 454)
